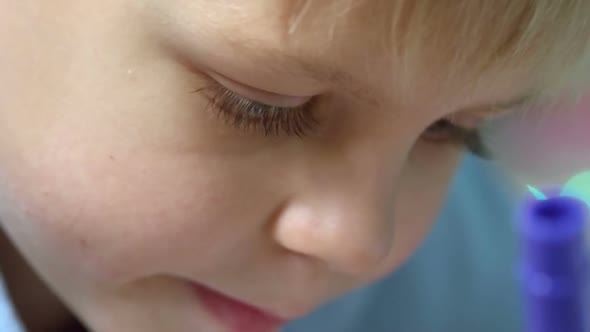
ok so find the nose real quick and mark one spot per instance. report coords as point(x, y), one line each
point(352, 243)
point(343, 220)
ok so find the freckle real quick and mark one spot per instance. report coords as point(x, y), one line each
point(83, 243)
point(111, 157)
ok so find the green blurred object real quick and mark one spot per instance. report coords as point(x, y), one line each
point(579, 187)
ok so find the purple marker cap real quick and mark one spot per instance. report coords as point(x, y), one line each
point(554, 263)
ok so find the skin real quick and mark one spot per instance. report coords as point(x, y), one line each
point(118, 185)
point(548, 150)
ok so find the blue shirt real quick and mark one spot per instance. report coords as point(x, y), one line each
point(461, 280)
point(9, 321)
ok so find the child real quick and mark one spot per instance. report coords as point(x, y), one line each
point(231, 165)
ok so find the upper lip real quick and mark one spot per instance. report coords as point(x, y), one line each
point(283, 314)
point(286, 312)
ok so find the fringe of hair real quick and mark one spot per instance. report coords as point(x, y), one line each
point(474, 38)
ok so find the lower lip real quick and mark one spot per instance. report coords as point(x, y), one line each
point(235, 315)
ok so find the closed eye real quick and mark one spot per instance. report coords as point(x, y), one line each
point(446, 132)
point(246, 114)
point(271, 120)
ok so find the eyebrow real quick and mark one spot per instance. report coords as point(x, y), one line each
point(336, 76)
point(312, 68)
point(321, 72)
point(506, 106)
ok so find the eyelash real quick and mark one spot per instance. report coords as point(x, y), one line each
point(470, 138)
point(246, 114)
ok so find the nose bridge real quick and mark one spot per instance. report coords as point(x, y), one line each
point(342, 214)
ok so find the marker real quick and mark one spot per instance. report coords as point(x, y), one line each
point(554, 263)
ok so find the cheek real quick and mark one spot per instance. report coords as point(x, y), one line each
point(422, 189)
point(116, 217)
point(127, 175)
point(548, 146)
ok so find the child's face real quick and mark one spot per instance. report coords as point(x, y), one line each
point(124, 189)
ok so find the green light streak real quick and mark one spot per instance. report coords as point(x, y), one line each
point(537, 193)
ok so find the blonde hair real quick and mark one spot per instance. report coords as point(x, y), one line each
point(474, 37)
